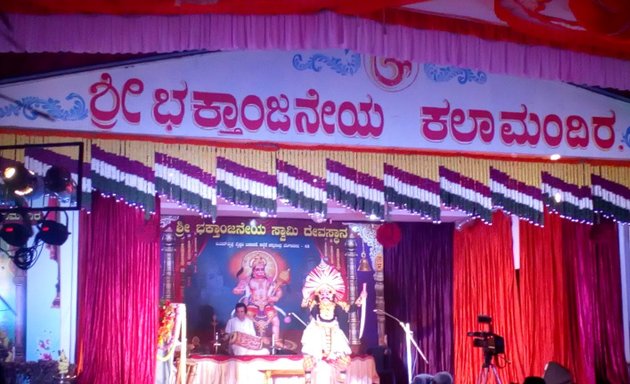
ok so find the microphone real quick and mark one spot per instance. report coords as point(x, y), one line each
point(381, 312)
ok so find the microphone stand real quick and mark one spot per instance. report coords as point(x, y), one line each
point(296, 317)
point(409, 340)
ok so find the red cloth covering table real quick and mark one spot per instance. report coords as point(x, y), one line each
point(218, 369)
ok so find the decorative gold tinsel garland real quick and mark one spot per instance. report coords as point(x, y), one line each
point(313, 161)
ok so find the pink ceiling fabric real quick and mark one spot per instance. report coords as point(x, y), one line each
point(160, 34)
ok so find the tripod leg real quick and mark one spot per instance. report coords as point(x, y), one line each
point(496, 374)
point(483, 376)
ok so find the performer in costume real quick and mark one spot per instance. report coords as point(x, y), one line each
point(324, 344)
point(242, 336)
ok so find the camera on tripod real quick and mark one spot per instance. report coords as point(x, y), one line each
point(491, 343)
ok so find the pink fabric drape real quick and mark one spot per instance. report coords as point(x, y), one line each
point(603, 276)
point(118, 292)
point(147, 34)
point(571, 299)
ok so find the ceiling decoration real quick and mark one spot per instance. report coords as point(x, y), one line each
point(590, 24)
point(600, 27)
point(174, 7)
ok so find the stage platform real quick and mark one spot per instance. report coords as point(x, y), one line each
point(284, 369)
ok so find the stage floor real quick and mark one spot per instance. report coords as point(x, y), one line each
point(219, 369)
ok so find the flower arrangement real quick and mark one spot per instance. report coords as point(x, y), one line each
point(44, 349)
point(167, 324)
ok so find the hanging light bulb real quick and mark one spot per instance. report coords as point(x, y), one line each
point(19, 180)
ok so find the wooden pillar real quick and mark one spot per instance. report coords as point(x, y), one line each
point(168, 250)
point(351, 269)
point(379, 288)
point(367, 232)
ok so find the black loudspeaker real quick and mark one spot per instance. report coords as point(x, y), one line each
point(438, 378)
point(557, 374)
point(534, 380)
point(443, 378)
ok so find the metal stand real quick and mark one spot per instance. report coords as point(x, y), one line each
point(486, 367)
point(409, 341)
point(217, 343)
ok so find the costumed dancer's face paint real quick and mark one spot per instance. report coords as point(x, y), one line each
point(326, 294)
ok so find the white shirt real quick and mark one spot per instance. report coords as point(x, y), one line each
point(236, 325)
point(245, 326)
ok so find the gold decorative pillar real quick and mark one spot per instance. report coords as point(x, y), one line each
point(351, 269)
point(168, 250)
point(367, 232)
point(379, 288)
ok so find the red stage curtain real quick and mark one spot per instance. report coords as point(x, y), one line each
point(118, 294)
point(600, 277)
point(545, 296)
point(571, 299)
point(485, 283)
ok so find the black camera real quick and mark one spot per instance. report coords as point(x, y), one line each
point(491, 343)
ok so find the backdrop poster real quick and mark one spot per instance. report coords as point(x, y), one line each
point(210, 266)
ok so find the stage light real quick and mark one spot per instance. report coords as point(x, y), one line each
point(58, 180)
point(19, 180)
point(52, 232)
point(16, 234)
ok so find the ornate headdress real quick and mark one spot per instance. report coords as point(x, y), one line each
point(323, 275)
point(258, 260)
point(262, 259)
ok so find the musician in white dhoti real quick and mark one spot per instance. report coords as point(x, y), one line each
point(241, 333)
point(324, 344)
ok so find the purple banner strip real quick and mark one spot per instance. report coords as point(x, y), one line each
point(515, 185)
point(466, 182)
point(247, 173)
point(413, 180)
point(352, 174)
point(123, 164)
point(611, 186)
point(301, 174)
point(186, 168)
point(49, 157)
point(575, 190)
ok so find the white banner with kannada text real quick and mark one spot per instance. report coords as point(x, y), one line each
point(331, 97)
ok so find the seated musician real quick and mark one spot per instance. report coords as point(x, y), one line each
point(242, 336)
